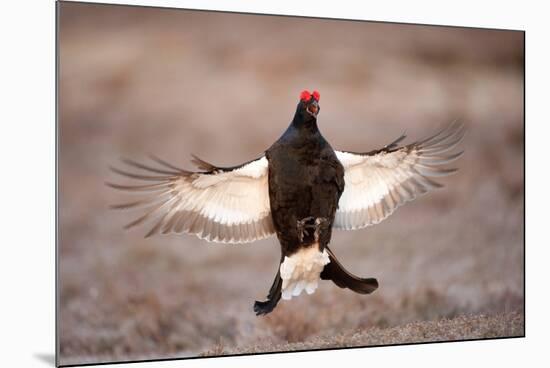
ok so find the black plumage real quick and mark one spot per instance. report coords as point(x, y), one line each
point(306, 180)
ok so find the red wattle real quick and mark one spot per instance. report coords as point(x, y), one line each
point(316, 95)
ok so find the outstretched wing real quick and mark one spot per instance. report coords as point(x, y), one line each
point(227, 205)
point(379, 181)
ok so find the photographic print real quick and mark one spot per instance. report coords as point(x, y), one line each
point(235, 183)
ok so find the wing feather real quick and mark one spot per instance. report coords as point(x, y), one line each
point(228, 205)
point(378, 182)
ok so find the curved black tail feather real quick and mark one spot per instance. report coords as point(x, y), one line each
point(342, 278)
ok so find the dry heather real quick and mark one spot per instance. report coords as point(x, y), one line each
point(459, 328)
point(134, 81)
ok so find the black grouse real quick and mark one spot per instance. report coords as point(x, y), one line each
point(299, 189)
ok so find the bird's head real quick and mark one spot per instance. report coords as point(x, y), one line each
point(308, 107)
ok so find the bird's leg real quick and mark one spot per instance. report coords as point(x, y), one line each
point(320, 224)
point(302, 226)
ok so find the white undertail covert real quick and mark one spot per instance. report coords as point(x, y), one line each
point(301, 271)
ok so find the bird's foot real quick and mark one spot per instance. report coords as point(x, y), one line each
point(320, 224)
point(303, 227)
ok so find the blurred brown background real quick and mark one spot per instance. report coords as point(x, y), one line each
point(134, 81)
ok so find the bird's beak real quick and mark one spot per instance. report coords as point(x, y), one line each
point(313, 108)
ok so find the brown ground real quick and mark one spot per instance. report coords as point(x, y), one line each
point(134, 81)
point(463, 327)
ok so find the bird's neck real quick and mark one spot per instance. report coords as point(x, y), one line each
point(308, 127)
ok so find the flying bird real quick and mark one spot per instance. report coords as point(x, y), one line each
point(300, 189)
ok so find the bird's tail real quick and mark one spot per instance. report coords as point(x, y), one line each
point(341, 277)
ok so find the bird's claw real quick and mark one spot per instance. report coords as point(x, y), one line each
point(319, 222)
point(302, 226)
